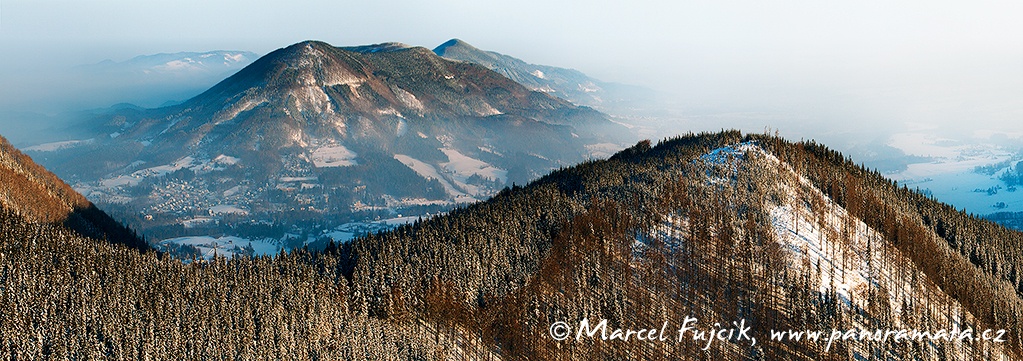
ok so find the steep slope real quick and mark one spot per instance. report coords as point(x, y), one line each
point(33, 193)
point(717, 227)
point(568, 84)
point(312, 132)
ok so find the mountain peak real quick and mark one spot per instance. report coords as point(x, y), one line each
point(454, 45)
point(309, 63)
point(313, 92)
point(310, 43)
point(316, 63)
point(305, 49)
point(320, 80)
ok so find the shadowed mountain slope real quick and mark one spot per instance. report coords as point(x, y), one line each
point(30, 191)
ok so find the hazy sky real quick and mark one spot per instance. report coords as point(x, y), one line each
point(846, 63)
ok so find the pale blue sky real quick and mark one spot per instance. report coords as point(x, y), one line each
point(877, 62)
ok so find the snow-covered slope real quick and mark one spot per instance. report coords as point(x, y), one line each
point(839, 255)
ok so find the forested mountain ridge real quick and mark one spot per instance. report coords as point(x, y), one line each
point(717, 226)
point(37, 195)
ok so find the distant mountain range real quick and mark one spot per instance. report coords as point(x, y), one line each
point(214, 62)
point(143, 81)
point(312, 132)
point(568, 84)
point(160, 79)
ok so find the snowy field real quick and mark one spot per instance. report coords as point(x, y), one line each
point(232, 246)
point(949, 173)
point(227, 246)
point(348, 231)
point(333, 156)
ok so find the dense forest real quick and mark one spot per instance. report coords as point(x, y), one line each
point(720, 226)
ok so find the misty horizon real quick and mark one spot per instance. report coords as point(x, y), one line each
point(870, 64)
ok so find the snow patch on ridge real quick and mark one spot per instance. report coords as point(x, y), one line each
point(487, 110)
point(408, 99)
point(841, 253)
point(841, 246)
point(237, 108)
